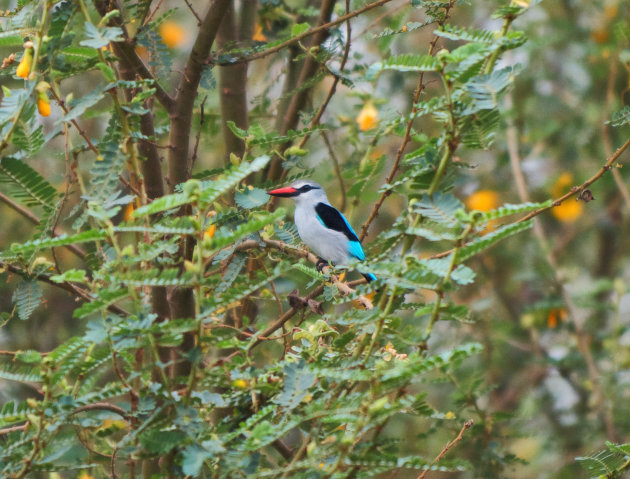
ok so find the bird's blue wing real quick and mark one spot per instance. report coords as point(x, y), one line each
point(334, 220)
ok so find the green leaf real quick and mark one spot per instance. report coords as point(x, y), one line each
point(297, 381)
point(28, 140)
point(30, 187)
point(226, 236)
point(161, 442)
point(79, 54)
point(30, 356)
point(299, 28)
point(453, 32)
point(510, 209)
point(620, 118)
point(61, 240)
point(78, 107)
point(12, 103)
point(478, 130)
point(251, 198)
point(213, 189)
point(602, 464)
point(11, 38)
point(78, 275)
point(99, 38)
point(27, 297)
point(164, 203)
point(440, 208)
point(11, 373)
point(193, 457)
point(105, 298)
point(485, 90)
point(404, 63)
point(483, 242)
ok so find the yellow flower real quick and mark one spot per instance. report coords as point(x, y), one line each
point(259, 36)
point(368, 117)
point(450, 415)
point(483, 200)
point(209, 233)
point(43, 105)
point(173, 35)
point(562, 183)
point(25, 65)
point(128, 212)
point(570, 210)
point(239, 383)
point(600, 35)
point(555, 315)
point(611, 11)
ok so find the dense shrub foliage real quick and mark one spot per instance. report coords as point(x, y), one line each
point(161, 317)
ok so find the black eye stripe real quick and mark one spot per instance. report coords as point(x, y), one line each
point(305, 188)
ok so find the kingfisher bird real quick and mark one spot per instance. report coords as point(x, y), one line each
point(321, 226)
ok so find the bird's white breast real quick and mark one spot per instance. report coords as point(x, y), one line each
point(326, 243)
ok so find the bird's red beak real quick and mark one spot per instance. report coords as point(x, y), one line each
point(285, 192)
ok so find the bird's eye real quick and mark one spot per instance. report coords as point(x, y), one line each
point(306, 188)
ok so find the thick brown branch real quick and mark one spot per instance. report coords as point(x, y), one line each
point(181, 113)
point(233, 78)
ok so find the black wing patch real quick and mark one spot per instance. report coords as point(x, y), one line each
point(331, 218)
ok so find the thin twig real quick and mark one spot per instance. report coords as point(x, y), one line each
point(575, 190)
point(582, 336)
point(572, 192)
point(467, 425)
point(331, 91)
point(11, 429)
point(407, 135)
point(302, 36)
point(65, 109)
point(202, 120)
point(152, 14)
point(610, 98)
point(67, 286)
point(102, 406)
point(335, 161)
point(193, 12)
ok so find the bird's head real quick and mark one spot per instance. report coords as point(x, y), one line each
point(301, 191)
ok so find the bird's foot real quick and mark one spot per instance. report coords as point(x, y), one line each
point(321, 264)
